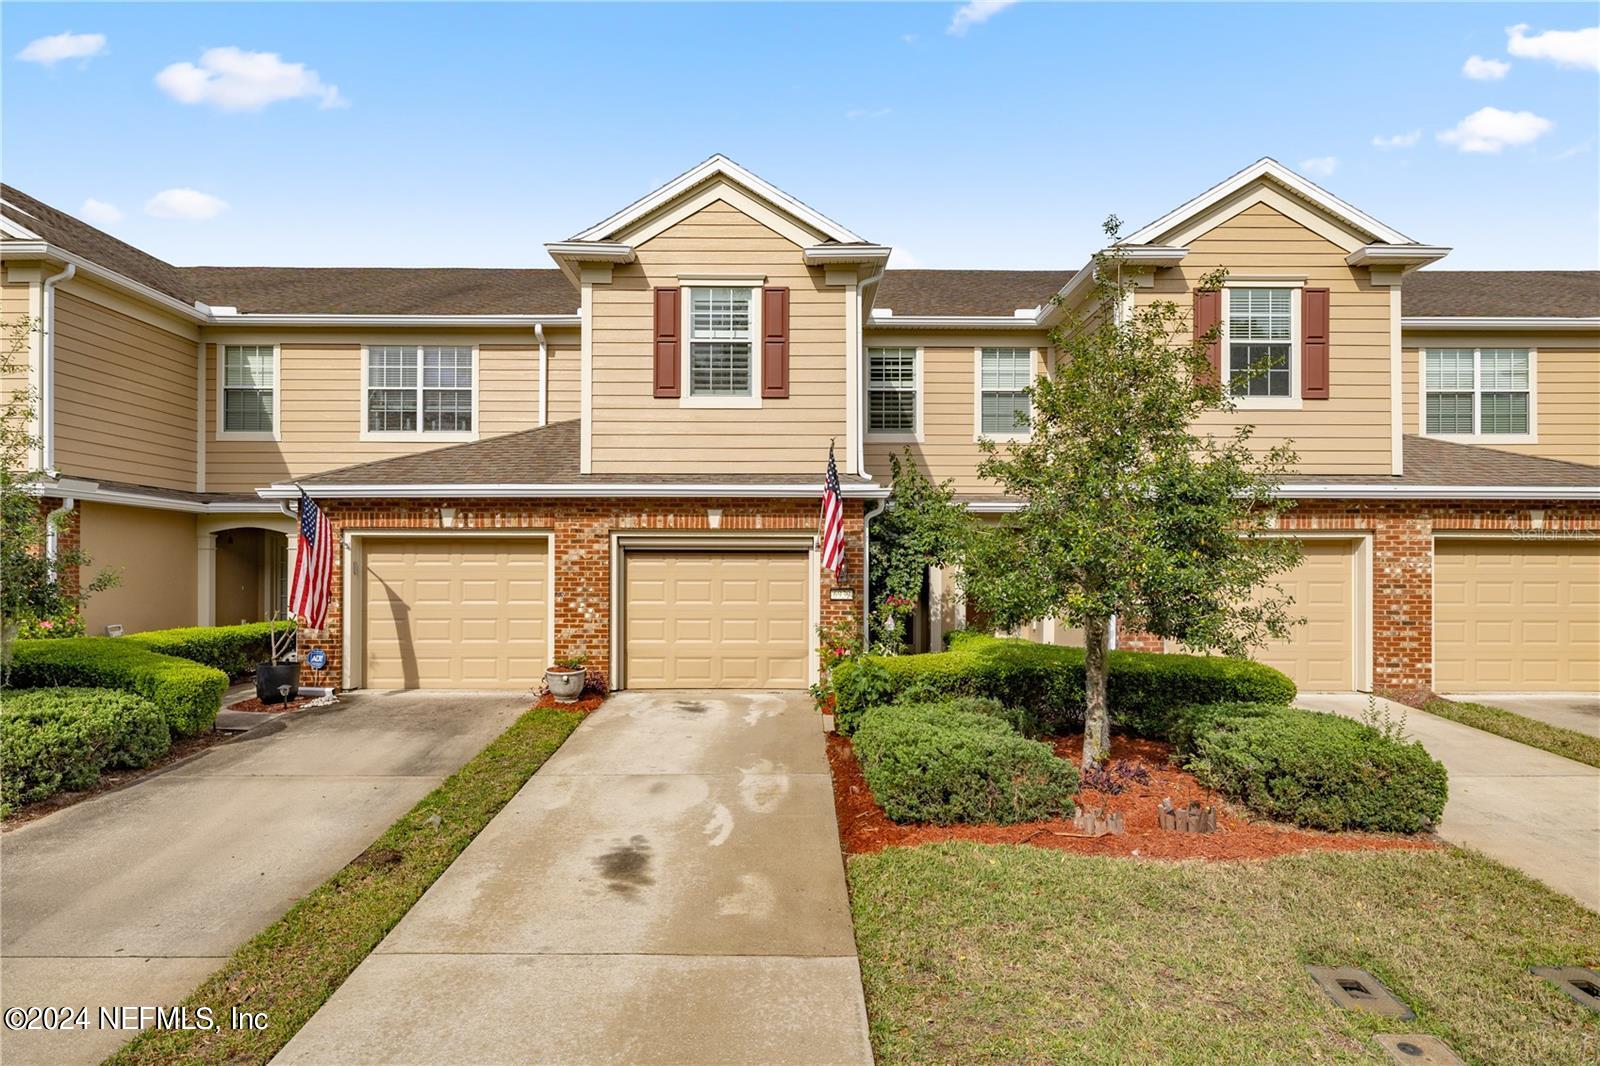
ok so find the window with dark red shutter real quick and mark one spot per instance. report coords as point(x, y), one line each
point(775, 343)
point(667, 346)
point(1314, 345)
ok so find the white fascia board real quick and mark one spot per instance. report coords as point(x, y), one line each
point(10, 227)
point(1156, 255)
point(590, 251)
point(1401, 255)
point(91, 492)
point(973, 322)
point(263, 319)
point(1438, 492)
point(856, 490)
point(1273, 170)
point(717, 165)
point(823, 254)
point(1501, 322)
point(44, 250)
point(994, 506)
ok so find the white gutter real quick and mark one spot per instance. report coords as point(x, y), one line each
point(52, 538)
point(1498, 322)
point(544, 374)
point(1439, 492)
point(866, 568)
point(85, 491)
point(265, 319)
point(47, 372)
point(850, 490)
point(974, 322)
point(861, 370)
point(45, 250)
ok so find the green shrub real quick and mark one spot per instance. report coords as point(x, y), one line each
point(858, 683)
point(62, 738)
point(937, 763)
point(235, 650)
point(1045, 682)
point(1321, 771)
point(1188, 724)
point(187, 693)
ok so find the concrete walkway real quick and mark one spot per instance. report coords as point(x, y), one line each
point(667, 889)
point(1580, 713)
point(1525, 807)
point(133, 897)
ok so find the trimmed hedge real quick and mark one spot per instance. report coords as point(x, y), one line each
point(1318, 770)
point(187, 693)
point(62, 738)
point(1045, 682)
point(235, 650)
point(942, 764)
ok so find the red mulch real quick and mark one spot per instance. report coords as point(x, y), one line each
point(589, 701)
point(255, 706)
point(864, 828)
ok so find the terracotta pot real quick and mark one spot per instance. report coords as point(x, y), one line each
point(565, 685)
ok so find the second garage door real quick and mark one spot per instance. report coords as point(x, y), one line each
point(464, 612)
point(1516, 615)
point(704, 619)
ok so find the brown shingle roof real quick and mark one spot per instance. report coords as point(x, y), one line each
point(1507, 293)
point(1442, 462)
point(967, 292)
point(385, 290)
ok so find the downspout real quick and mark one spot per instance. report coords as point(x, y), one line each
point(52, 538)
point(866, 568)
point(544, 375)
point(47, 373)
point(861, 375)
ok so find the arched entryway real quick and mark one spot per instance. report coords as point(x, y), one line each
point(244, 569)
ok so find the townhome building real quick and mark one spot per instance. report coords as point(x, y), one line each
point(622, 456)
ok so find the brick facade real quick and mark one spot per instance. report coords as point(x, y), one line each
point(582, 544)
point(68, 540)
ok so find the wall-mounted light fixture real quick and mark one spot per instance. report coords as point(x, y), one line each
point(447, 517)
point(714, 517)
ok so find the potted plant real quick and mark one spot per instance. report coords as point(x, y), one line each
point(565, 679)
point(278, 681)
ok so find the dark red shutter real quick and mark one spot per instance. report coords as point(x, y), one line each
point(1314, 345)
point(667, 346)
point(1207, 313)
point(775, 344)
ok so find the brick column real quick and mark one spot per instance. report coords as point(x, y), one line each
point(1402, 601)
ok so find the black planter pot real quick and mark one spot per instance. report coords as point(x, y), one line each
point(270, 677)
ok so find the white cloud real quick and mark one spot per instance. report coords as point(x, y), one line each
point(48, 51)
point(188, 204)
point(232, 79)
point(99, 212)
point(904, 259)
point(1490, 129)
point(1566, 48)
point(1480, 69)
point(975, 13)
point(1320, 166)
point(1399, 140)
point(868, 112)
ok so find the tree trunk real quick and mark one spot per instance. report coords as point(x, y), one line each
point(1096, 715)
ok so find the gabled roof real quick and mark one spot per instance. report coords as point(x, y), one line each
point(1269, 169)
point(716, 166)
point(1502, 293)
point(966, 292)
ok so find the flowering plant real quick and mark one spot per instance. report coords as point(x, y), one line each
point(64, 623)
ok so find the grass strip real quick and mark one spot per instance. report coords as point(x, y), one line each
point(1568, 743)
point(1003, 954)
point(291, 968)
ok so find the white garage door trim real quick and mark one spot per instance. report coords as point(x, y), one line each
point(353, 564)
point(666, 540)
point(1361, 596)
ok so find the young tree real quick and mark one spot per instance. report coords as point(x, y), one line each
point(923, 527)
point(1128, 510)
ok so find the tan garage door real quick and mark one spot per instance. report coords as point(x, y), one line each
point(715, 620)
point(1320, 655)
point(1516, 615)
point(457, 613)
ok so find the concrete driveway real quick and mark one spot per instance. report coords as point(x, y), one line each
point(668, 888)
point(1525, 807)
point(1578, 712)
point(135, 896)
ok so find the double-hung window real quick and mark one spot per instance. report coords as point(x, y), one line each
point(419, 388)
point(892, 390)
point(721, 342)
point(1260, 340)
point(249, 388)
point(1004, 375)
point(1477, 392)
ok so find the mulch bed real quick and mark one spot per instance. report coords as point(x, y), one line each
point(255, 706)
point(864, 828)
point(589, 701)
point(112, 780)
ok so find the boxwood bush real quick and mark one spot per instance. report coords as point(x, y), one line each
point(235, 650)
point(186, 692)
point(59, 739)
point(1318, 770)
point(1045, 682)
point(943, 764)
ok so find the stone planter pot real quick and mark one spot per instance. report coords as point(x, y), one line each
point(565, 685)
point(270, 677)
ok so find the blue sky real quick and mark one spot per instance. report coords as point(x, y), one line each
point(422, 134)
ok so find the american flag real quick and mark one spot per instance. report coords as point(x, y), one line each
point(832, 520)
point(313, 566)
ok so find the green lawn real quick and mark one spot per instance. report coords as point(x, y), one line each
point(291, 968)
point(973, 953)
point(1530, 731)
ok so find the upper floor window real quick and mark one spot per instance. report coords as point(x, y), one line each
point(892, 390)
point(249, 388)
point(412, 388)
point(1003, 376)
point(1260, 342)
point(721, 348)
point(1477, 391)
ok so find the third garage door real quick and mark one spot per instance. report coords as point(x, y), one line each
point(715, 619)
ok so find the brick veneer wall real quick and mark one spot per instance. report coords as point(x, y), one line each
point(582, 546)
point(68, 540)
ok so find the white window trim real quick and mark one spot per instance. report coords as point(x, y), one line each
point(897, 436)
point(452, 436)
point(1293, 401)
point(977, 393)
point(277, 395)
point(686, 346)
point(1530, 437)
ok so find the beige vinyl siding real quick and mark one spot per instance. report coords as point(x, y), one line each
point(14, 301)
point(1566, 395)
point(566, 378)
point(948, 448)
point(153, 553)
point(125, 395)
point(1349, 433)
point(633, 431)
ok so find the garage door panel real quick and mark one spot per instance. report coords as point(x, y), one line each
point(1320, 654)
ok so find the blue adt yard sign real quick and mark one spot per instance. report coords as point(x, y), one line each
point(317, 659)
